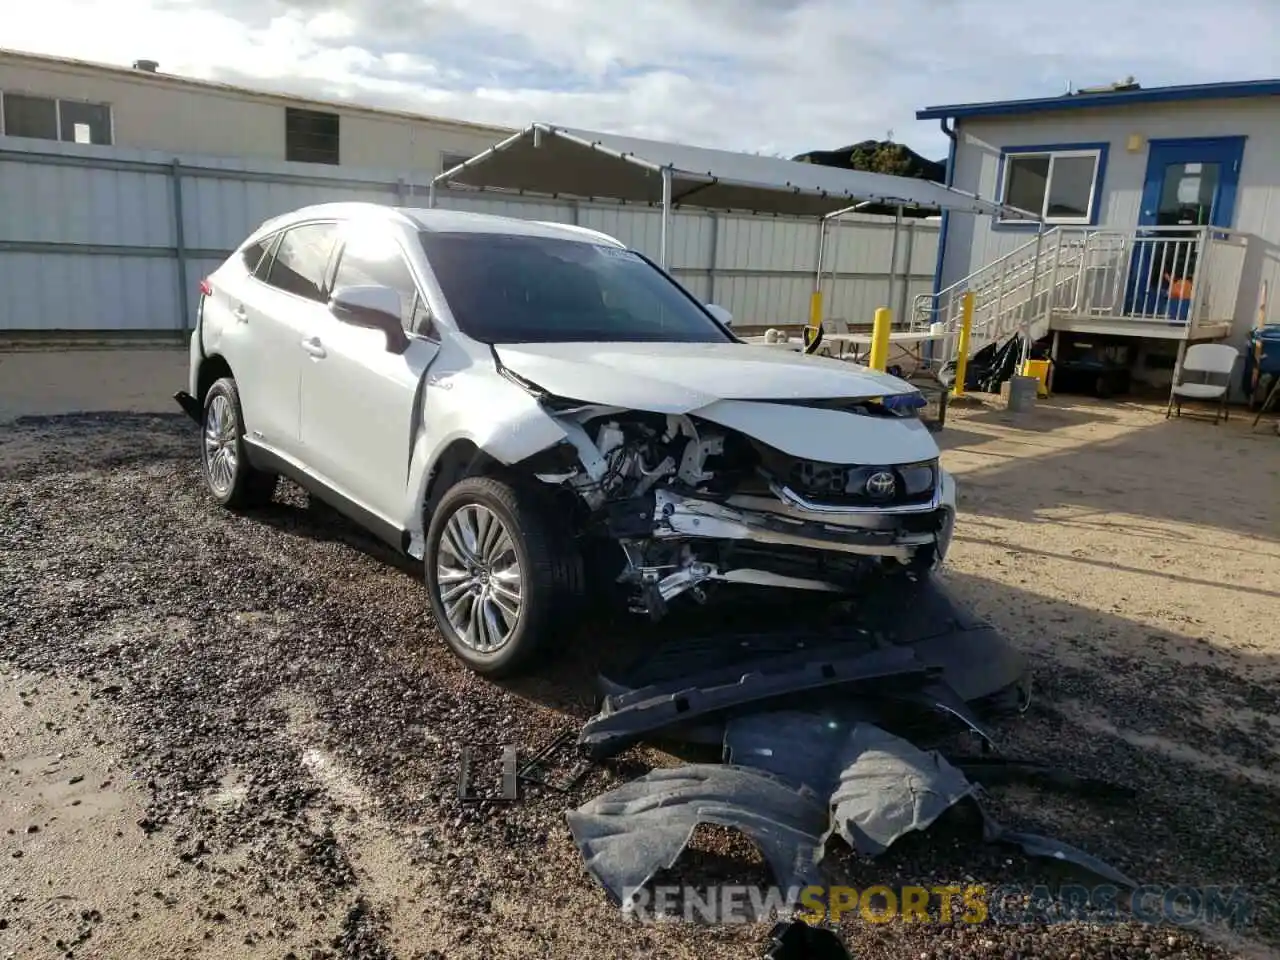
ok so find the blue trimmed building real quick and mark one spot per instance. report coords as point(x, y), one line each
point(1160, 210)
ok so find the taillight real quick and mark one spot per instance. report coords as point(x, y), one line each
point(206, 288)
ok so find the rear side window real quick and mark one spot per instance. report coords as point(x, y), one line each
point(370, 257)
point(302, 256)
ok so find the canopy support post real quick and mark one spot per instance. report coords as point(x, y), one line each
point(431, 195)
point(666, 218)
point(815, 298)
point(893, 256)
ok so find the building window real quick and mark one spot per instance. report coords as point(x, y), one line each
point(1060, 185)
point(84, 122)
point(47, 118)
point(450, 160)
point(310, 136)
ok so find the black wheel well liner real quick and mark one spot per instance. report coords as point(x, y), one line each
point(212, 369)
point(462, 458)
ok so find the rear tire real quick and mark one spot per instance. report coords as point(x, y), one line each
point(498, 572)
point(231, 479)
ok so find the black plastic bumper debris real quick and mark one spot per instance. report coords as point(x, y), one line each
point(190, 405)
point(974, 658)
point(626, 717)
point(631, 832)
point(853, 780)
point(797, 940)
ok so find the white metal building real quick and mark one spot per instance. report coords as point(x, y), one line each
point(120, 188)
point(141, 108)
point(1162, 213)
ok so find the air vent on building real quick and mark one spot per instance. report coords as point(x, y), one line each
point(1128, 83)
point(146, 66)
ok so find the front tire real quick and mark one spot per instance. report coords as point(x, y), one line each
point(497, 569)
point(232, 480)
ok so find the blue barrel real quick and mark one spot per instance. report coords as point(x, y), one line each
point(1268, 338)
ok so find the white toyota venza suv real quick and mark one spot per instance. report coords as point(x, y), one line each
point(536, 413)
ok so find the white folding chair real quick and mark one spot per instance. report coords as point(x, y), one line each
point(836, 325)
point(1209, 360)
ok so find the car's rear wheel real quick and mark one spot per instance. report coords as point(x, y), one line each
point(497, 570)
point(230, 477)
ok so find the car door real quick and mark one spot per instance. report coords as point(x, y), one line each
point(359, 400)
point(235, 294)
point(284, 302)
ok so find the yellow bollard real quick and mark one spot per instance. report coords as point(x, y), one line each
point(815, 314)
point(962, 348)
point(880, 339)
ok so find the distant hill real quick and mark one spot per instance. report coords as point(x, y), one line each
point(880, 156)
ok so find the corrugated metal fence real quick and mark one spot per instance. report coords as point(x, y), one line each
point(108, 239)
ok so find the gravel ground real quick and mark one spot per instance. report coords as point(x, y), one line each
point(237, 735)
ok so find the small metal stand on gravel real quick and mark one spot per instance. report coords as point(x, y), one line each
point(510, 791)
point(538, 768)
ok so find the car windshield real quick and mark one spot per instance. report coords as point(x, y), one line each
point(522, 289)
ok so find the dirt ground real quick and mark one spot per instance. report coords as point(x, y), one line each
point(236, 736)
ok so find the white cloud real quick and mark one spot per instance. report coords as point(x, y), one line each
point(772, 75)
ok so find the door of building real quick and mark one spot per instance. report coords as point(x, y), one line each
point(1189, 184)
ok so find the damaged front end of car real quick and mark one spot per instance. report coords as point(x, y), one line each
point(714, 495)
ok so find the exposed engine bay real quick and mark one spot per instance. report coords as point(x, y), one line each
point(691, 502)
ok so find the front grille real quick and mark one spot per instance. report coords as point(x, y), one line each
point(862, 486)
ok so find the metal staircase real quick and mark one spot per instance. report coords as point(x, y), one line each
point(1016, 293)
point(1145, 281)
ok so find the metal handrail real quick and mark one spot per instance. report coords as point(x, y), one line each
point(1190, 273)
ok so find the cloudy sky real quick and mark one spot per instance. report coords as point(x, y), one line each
point(777, 76)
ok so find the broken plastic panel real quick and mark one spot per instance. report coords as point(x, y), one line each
point(626, 717)
point(856, 780)
point(974, 658)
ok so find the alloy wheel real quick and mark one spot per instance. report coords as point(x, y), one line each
point(479, 579)
point(220, 444)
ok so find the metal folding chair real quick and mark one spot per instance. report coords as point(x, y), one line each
point(1208, 360)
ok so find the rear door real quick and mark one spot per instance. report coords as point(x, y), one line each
point(226, 331)
point(285, 304)
point(360, 401)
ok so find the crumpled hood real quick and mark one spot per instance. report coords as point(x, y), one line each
point(681, 377)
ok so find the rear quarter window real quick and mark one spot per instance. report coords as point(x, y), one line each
point(251, 256)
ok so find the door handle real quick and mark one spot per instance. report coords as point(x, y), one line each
point(241, 314)
point(314, 347)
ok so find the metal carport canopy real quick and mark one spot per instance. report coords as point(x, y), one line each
point(563, 161)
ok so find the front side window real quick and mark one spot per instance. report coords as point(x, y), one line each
point(371, 258)
point(522, 289)
point(302, 256)
point(1061, 186)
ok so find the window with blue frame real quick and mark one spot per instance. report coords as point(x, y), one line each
point(1059, 186)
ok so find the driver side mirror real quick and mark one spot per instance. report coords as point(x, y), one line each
point(720, 313)
point(374, 307)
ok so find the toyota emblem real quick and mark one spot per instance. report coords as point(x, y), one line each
point(880, 485)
